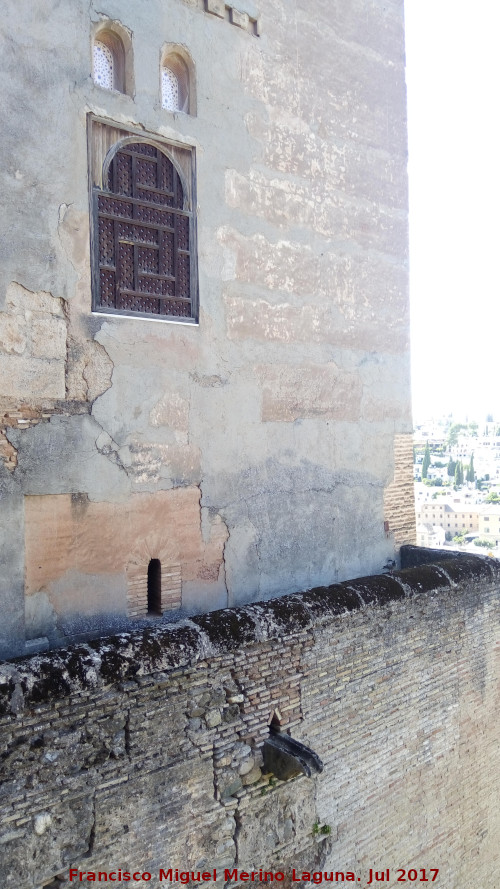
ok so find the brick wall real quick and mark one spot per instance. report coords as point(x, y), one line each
point(399, 503)
point(144, 751)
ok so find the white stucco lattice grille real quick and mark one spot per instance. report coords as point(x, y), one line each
point(143, 236)
point(169, 90)
point(103, 65)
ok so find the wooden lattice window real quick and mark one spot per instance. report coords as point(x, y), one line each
point(144, 236)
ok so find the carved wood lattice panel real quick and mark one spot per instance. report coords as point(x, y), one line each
point(143, 235)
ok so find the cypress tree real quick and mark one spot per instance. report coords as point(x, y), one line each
point(459, 474)
point(427, 460)
point(471, 475)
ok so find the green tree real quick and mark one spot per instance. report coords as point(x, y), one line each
point(451, 467)
point(471, 475)
point(427, 460)
point(459, 474)
point(454, 429)
point(492, 497)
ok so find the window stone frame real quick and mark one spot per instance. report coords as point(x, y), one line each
point(104, 140)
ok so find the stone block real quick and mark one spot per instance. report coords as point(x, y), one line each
point(171, 410)
point(240, 19)
point(48, 338)
point(306, 391)
point(23, 300)
point(34, 646)
point(216, 7)
point(252, 776)
point(12, 334)
point(213, 718)
point(229, 782)
point(246, 766)
point(27, 378)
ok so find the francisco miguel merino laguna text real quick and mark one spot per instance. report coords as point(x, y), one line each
point(261, 876)
point(180, 876)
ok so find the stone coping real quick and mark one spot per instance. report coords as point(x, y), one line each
point(28, 682)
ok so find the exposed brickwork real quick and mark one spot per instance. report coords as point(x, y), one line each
point(144, 751)
point(23, 417)
point(69, 533)
point(7, 452)
point(399, 505)
point(137, 589)
point(20, 418)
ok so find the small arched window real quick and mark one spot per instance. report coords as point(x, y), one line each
point(174, 83)
point(154, 587)
point(109, 60)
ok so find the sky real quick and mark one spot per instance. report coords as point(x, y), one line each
point(453, 81)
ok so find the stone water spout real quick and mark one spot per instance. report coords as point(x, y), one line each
point(286, 758)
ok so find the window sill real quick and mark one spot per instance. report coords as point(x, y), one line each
point(136, 316)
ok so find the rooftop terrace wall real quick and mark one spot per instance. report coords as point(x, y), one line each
point(144, 751)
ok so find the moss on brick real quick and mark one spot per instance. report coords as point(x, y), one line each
point(377, 590)
point(230, 627)
point(330, 601)
point(290, 611)
point(78, 662)
point(150, 647)
point(472, 568)
point(129, 655)
point(51, 682)
point(424, 578)
point(180, 646)
point(7, 688)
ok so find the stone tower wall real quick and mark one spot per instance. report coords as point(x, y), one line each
point(265, 448)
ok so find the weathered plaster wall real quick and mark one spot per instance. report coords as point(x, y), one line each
point(144, 751)
point(282, 412)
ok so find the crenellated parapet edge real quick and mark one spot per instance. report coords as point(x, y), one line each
point(31, 681)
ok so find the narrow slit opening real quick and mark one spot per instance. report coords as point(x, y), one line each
point(154, 587)
point(275, 723)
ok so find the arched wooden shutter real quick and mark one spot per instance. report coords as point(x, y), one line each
point(144, 235)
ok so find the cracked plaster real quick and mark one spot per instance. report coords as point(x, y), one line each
point(273, 408)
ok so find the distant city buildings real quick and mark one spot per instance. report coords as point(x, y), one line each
point(458, 507)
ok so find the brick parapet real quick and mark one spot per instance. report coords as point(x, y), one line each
point(29, 681)
point(144, 750)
